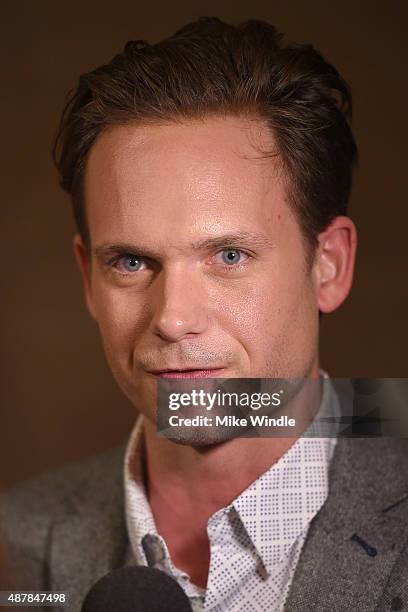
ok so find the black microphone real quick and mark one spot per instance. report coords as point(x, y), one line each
point(136, 589)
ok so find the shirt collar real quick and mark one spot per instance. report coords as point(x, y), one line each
point(139, 517)
point(275, 527)
point(301, 475)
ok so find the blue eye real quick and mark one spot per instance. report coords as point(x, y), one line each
point(131, 263)
point(231, 256)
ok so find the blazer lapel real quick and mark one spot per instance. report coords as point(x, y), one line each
point(88, 538)
point(354, 541)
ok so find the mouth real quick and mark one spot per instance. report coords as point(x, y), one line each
point(193, 373)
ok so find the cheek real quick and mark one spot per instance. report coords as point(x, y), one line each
point(242, 312)
point(275, 322)
point(121, 319)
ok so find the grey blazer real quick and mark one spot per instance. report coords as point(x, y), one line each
point(67, 529)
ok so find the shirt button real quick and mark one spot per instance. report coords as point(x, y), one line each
point(397, 604)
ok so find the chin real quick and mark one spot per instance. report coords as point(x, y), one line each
point(202, 436)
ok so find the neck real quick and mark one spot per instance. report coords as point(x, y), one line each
point(211, 476)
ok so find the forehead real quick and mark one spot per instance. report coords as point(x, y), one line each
point(188, 177)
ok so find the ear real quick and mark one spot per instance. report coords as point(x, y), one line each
point(334, 263)
point(83, 260)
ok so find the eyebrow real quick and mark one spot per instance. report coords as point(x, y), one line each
point(253, 239)
point(248, 239)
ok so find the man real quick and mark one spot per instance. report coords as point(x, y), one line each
point(210, 175)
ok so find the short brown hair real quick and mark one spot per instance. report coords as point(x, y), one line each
point(207, 68)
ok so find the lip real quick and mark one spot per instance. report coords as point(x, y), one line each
point(193, 373)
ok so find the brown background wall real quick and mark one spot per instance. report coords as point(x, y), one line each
point(58, 400)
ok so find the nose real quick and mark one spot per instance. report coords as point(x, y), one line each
point(179, 305)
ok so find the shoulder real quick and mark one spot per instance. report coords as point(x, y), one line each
point(384, 458)
point(29, 509)
point(370, 474)
point(42, 495)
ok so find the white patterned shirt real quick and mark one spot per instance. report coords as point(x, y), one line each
point(255, 542)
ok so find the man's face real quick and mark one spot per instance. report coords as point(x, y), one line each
point(197, 260)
